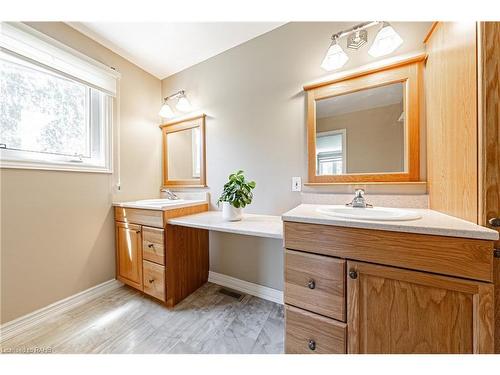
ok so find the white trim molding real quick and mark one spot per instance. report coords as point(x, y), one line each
point(256, 290)
point(23, 323)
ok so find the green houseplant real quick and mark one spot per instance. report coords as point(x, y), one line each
point(237, 193)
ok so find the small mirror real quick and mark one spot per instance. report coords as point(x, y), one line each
point(184, 152)
point(361, 132)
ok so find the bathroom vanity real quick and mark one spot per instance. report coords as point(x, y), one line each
point(359, 286)
point(385, 285)
point(165, 264)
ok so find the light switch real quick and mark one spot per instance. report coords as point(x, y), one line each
point(296, 183)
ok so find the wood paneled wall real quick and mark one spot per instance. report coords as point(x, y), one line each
point(489, 131)
point(462, 84)
point(452, 135)
point(489, 142)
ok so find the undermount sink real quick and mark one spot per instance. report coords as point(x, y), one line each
point(373, 213)
point(158, 202)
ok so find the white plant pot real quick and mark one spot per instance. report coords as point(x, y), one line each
point(230, 213)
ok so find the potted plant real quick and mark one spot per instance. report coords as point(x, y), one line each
point(237, 194)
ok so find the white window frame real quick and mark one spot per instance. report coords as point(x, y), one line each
point(36, 48)
point(344, 148)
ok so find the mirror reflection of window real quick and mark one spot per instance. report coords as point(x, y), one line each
point(362, 132)
point(196, 152)
point(331, 152)
point(184, 157)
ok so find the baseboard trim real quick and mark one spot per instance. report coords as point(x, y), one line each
point(256, 290)
point(23, 323)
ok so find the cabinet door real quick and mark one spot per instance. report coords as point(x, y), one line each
point(129, 254)
point(391, 310)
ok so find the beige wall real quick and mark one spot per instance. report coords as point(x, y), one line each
point(57, 235)
point(374, 138)
point(255, 259)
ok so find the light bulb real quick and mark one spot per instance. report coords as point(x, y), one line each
point(166, 111)
point(335, 57)
point(386, 41)
point(183, 104)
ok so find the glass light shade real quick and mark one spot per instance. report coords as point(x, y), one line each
point(166, 111)
point(183, 104)
point(386, 41)
point(335, 58)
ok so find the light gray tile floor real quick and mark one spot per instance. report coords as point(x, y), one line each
point(124, 321)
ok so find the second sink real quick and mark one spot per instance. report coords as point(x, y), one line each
point(375, 213)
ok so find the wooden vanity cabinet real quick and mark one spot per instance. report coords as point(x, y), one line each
point(312, 333)
point(387, 292)
point(315, 283)
point(129, 254)
point(151, 256)
point(153, 245)
point(392, 310)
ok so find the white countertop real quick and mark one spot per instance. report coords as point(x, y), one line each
point(172, 205)
point(431, 222)
point(251, 224)
point(186, 199)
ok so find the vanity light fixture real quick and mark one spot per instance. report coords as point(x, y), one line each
point(182, 105)
point(166, 111)
point(335, 56)
point(357, 39)
point(386, 41)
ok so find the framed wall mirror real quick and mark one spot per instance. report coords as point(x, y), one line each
point(365, 127)
point(184, 152)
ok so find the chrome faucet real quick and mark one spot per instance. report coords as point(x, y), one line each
point(170, 195)
point(359, 200)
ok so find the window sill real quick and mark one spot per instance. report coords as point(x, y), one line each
point(9, 164)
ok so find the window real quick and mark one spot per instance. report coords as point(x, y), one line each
point(331, 152)
point(50, 119)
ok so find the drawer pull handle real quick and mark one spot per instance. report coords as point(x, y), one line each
point(353, 274)
point(312, 344)
point(151, 245)
point(151, 281)
point(311, 284)
point(137, 231)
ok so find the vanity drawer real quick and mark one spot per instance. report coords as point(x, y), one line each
point(315, 283)
point(468, 258)
point(308, 333)
point(153, 248)
point(154, 279)
point(153, 218)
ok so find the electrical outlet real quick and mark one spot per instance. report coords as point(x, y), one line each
point(296, 184)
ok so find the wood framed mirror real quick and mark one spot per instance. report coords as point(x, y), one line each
point(184, 152)
point(365, 127)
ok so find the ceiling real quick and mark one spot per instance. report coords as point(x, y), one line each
point(381, 96)
point(165, 48)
